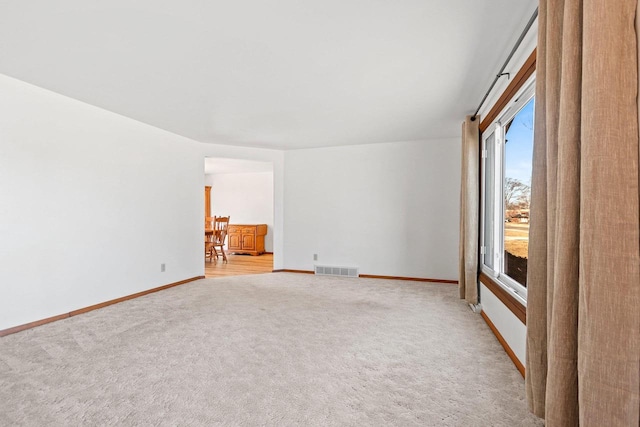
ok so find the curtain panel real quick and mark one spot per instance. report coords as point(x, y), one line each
point(583, 308)
point(469, 210)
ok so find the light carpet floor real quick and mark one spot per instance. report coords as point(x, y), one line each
point(275, 349)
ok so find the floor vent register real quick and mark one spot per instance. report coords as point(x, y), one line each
point(326, 270)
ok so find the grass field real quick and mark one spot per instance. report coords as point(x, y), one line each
point(516, 239)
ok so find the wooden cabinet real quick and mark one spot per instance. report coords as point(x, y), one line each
point(247, 238)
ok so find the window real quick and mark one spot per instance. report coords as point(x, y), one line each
point(507, 153)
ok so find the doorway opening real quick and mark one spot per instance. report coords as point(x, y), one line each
point(244, 191)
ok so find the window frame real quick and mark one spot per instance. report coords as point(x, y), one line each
point(496, 128)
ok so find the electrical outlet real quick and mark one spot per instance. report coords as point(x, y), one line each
point(162, 267)
point(315, 257)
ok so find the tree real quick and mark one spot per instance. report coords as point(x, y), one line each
point(517, 194)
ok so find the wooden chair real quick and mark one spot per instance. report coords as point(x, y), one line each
point(208, 223)
point(208, 231)
point(215, 237)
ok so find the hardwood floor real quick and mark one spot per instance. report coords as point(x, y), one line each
point(239, 265)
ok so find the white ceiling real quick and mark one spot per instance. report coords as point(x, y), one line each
point(280, 74)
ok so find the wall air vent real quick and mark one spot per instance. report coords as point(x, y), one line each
point(326, 270)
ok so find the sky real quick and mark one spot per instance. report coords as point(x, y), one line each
point(518, 152)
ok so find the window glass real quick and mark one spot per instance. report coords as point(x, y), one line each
point(518, 156)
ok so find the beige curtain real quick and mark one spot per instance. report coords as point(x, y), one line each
point(583, 309)
point(469, 208)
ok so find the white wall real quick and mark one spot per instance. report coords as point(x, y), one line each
point(92, 202)
point(390, 209)
point(511, 328)
point(246, 197)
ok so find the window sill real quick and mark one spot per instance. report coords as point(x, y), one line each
point(507, 298)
